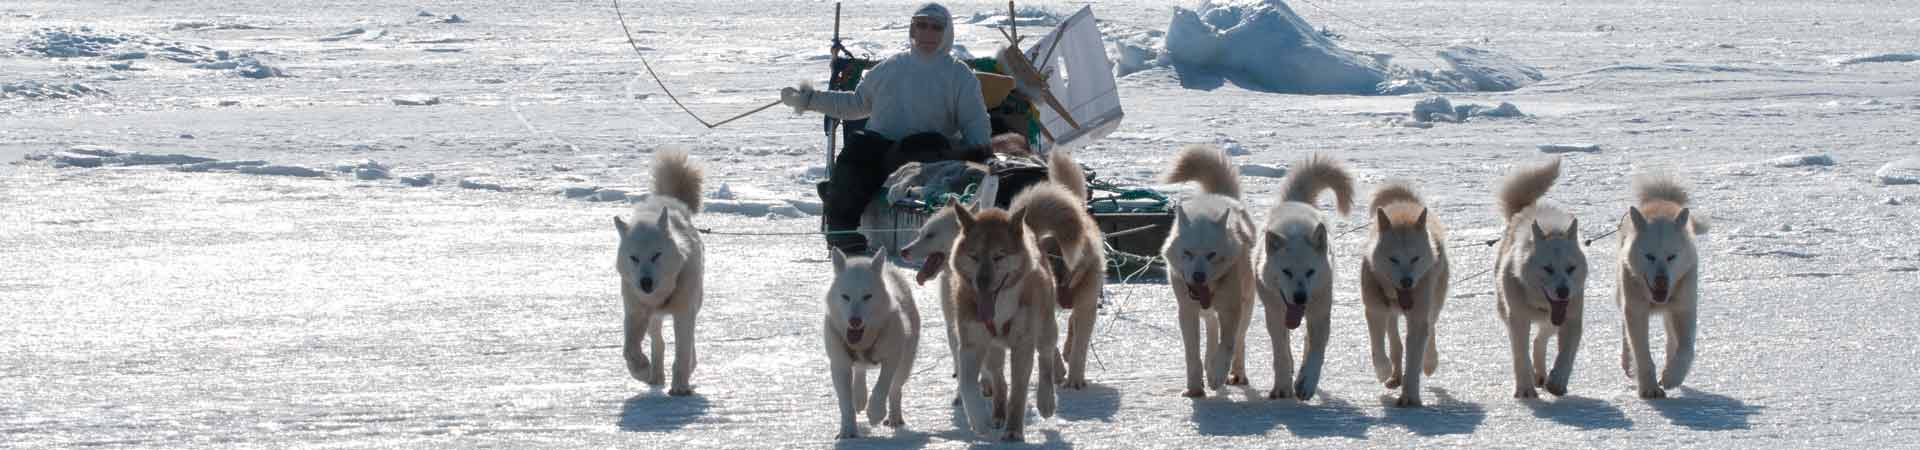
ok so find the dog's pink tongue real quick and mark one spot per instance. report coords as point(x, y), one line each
point(1201, 294)
point(1294, 314)
point(983, 308)
point(932, 267)
point(1659, 296)
point(1406, 299)
point(1559, 311)
point(854, 335)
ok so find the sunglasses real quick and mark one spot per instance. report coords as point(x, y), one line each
point(929, 25)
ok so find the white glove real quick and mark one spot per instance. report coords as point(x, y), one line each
point(799, 98)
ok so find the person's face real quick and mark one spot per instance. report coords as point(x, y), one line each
point(926, 34)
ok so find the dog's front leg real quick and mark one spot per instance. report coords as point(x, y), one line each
point(683, 354)
point(882, 387)
point(1221, 357)
point(1282, 352)
point(1377, 312)
point(1519, 324)
point(1238, 376)
point(1680, 339)
point(1419, 330)
point(1642, 355)
point(842, 372)
point(1318, 328)
point(1569, 338)
point(1023, 360)
point(1190, 343)
point(632, 346)
point(979, 418)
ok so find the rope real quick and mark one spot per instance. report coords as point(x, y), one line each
point(1589, 243)
point(800, 233)
point(663, 85)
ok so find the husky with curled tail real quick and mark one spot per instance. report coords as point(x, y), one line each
point(1209, 268)
point(1296, 277)
point(1404, 274)
point(662, 271)
point(1542, 280)
point(1659, 274)
point(1057, 213)
point(871, 322)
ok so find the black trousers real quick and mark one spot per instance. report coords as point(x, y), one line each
point(863, 166)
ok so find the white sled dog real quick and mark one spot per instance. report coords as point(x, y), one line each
point(662, 271)
point(1659, 273)
point(871, 322)
point(1209, 268)
point(1296, 278)
point(1004, 296)
point(1404, 275)
point(1542, 280)
point(1057, 212)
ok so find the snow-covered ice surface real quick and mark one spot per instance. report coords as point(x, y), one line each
point(155, 308)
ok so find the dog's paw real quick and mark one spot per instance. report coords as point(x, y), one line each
point(1652, 392)
point(1280, 393)
point(1669, 383)
point(848, 433)
point(1407, 401)
point(1302, 391)
point(1526, 393)
point(639, 368)
point(1014, 436)
point(1557, 389)
point(1078, 385)
point(1237, 380)
point(1393, 382)
point(1195, 393)
point(1539, 380)
point(680, 391)
point(895, 422)
point(875, 412)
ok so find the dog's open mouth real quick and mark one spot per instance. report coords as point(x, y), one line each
point(1657, 291)
point(1295, 312)
point(1406, 299)
point(855, 334)
point(928, 270)
point(1556, 308)
point(1199, 292)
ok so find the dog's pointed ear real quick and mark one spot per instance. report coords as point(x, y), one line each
point(621, 225)
point(1680, 221)
point(665, 222)
point(1639, 220)
point(879, 263)
point(1224, 215)
point(839, 260)
point(1320, 237)
point(1421, 222)
point(1019, 225)
point(1380, 219)
point(1573, 230)
point(1538, 233)
point(1274, 241)
point(965, 217)
point(1179, 217)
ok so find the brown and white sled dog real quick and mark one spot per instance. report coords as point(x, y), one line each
point(1057, 212)
point(1296, 278)
point(1659, 273)
point(871, 322)
point(1404, 275)
point(931, 245)
point(1003, 294)
point(1209, 268)
point(1542, 280)
point(661, 271)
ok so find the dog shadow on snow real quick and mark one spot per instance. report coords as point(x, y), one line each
point(1442, 415)
point(1581, 412)
point(1705, 411)
point(1255, 415)
point(658, 412)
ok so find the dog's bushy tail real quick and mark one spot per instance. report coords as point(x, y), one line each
point(1648, 188)
point(1052, 210)
point(1525, 187)
point(677, 177)
point(1317, 173)
point(1063, 171)
point(1395, 191)
point(1207, 165)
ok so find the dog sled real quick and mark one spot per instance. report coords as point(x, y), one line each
point(1059, 93)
